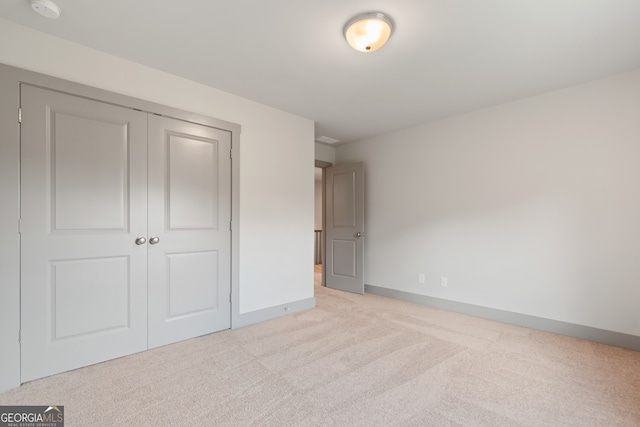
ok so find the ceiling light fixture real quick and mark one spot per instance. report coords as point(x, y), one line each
point(368, 31)
point(46, 8)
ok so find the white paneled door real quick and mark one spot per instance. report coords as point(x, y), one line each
point(189, 222)
point(117, 257)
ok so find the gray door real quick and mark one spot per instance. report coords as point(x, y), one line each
point(83, 205)
point(345, 227)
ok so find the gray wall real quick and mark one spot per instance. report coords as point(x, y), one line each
point(531, 207)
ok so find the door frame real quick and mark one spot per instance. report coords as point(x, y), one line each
point(10, 79)
point(323, 249)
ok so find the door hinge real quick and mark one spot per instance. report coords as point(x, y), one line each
point(19, 225)
point(19, 336)
point(231, 154)
point(229, 297)
point(19, 115)
point(230, 225)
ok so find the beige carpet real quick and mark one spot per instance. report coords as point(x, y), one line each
point(355, 361)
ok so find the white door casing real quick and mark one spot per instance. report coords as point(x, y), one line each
point(89, 293)
point(345, 227)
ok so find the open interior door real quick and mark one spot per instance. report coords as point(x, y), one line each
point(344, 264)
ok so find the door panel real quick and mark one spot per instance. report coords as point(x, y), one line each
point(344, 200)
point(84, 287)
point(190, 289)
point(190, 214)
point(192, 166)
point(96, 152)
point(344, 258)
point(83, 203)
point(345, 227)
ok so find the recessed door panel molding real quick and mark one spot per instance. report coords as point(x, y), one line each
point(84, 283)
point(344, 206)
point(192, 188)
point(190, 266)
point(193, 284)
point(344, 258)
point(89, 173)
point(344, 225)
point(89, 296)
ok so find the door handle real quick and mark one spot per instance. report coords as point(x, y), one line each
point(154, 240)
point(359, 234)
point(141, 241)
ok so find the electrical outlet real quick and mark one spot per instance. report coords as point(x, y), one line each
point(421, 278)
point(443, 282)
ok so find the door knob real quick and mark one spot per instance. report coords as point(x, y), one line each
point(141, 241)
point(154, 240)
point(359, 234)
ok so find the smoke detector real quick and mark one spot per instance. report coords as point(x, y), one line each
point(46, 8)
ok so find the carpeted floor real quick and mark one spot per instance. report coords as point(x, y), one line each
point(355, 360)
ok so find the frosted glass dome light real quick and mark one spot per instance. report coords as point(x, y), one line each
point(368, 31)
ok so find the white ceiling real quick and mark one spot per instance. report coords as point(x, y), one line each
point(445, 57)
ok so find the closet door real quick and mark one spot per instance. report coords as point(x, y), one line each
point(84, 204)
point(189, 230)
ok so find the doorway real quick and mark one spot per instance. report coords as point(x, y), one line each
point(318, 252)
point(340, 243)
point(319, 233)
